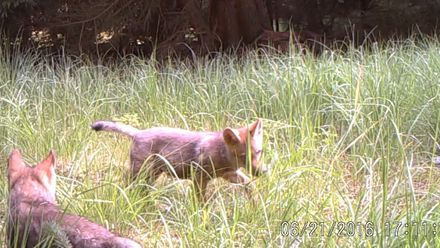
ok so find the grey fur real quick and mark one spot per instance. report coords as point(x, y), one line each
point(33, 212)
point(185, 153)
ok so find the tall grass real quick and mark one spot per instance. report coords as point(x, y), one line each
point(349, 137)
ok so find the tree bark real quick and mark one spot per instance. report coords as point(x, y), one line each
point(238, 21)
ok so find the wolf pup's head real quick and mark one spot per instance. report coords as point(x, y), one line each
point(243, 140)
point(34, 182)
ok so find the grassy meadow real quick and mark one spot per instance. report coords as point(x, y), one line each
point(349, 138)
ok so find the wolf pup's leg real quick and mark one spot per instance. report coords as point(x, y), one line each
point(200, 183)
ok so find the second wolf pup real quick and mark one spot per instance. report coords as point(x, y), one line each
point(203, 154)
point(33, 210)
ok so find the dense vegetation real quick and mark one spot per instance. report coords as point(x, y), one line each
point(349, 136)
point(110, 28)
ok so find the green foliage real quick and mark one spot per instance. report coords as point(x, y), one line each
point(54, 236)
point(349, 137)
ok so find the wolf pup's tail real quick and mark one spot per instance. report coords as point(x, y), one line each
point(115, 127)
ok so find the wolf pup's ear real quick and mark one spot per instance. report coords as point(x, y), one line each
point(48, 163)
point(15, 159)
point(231, 136)
point(15, 165)
point(256, 128)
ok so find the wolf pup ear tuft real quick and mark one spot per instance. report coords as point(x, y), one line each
point(97, 126)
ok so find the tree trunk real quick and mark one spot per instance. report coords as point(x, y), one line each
point(238, 21)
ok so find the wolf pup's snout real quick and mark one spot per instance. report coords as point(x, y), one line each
point(263, 170)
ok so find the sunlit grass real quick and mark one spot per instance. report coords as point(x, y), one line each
point(349, 137)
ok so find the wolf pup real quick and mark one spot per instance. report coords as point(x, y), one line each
point(32, 209)
point(204, 155)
